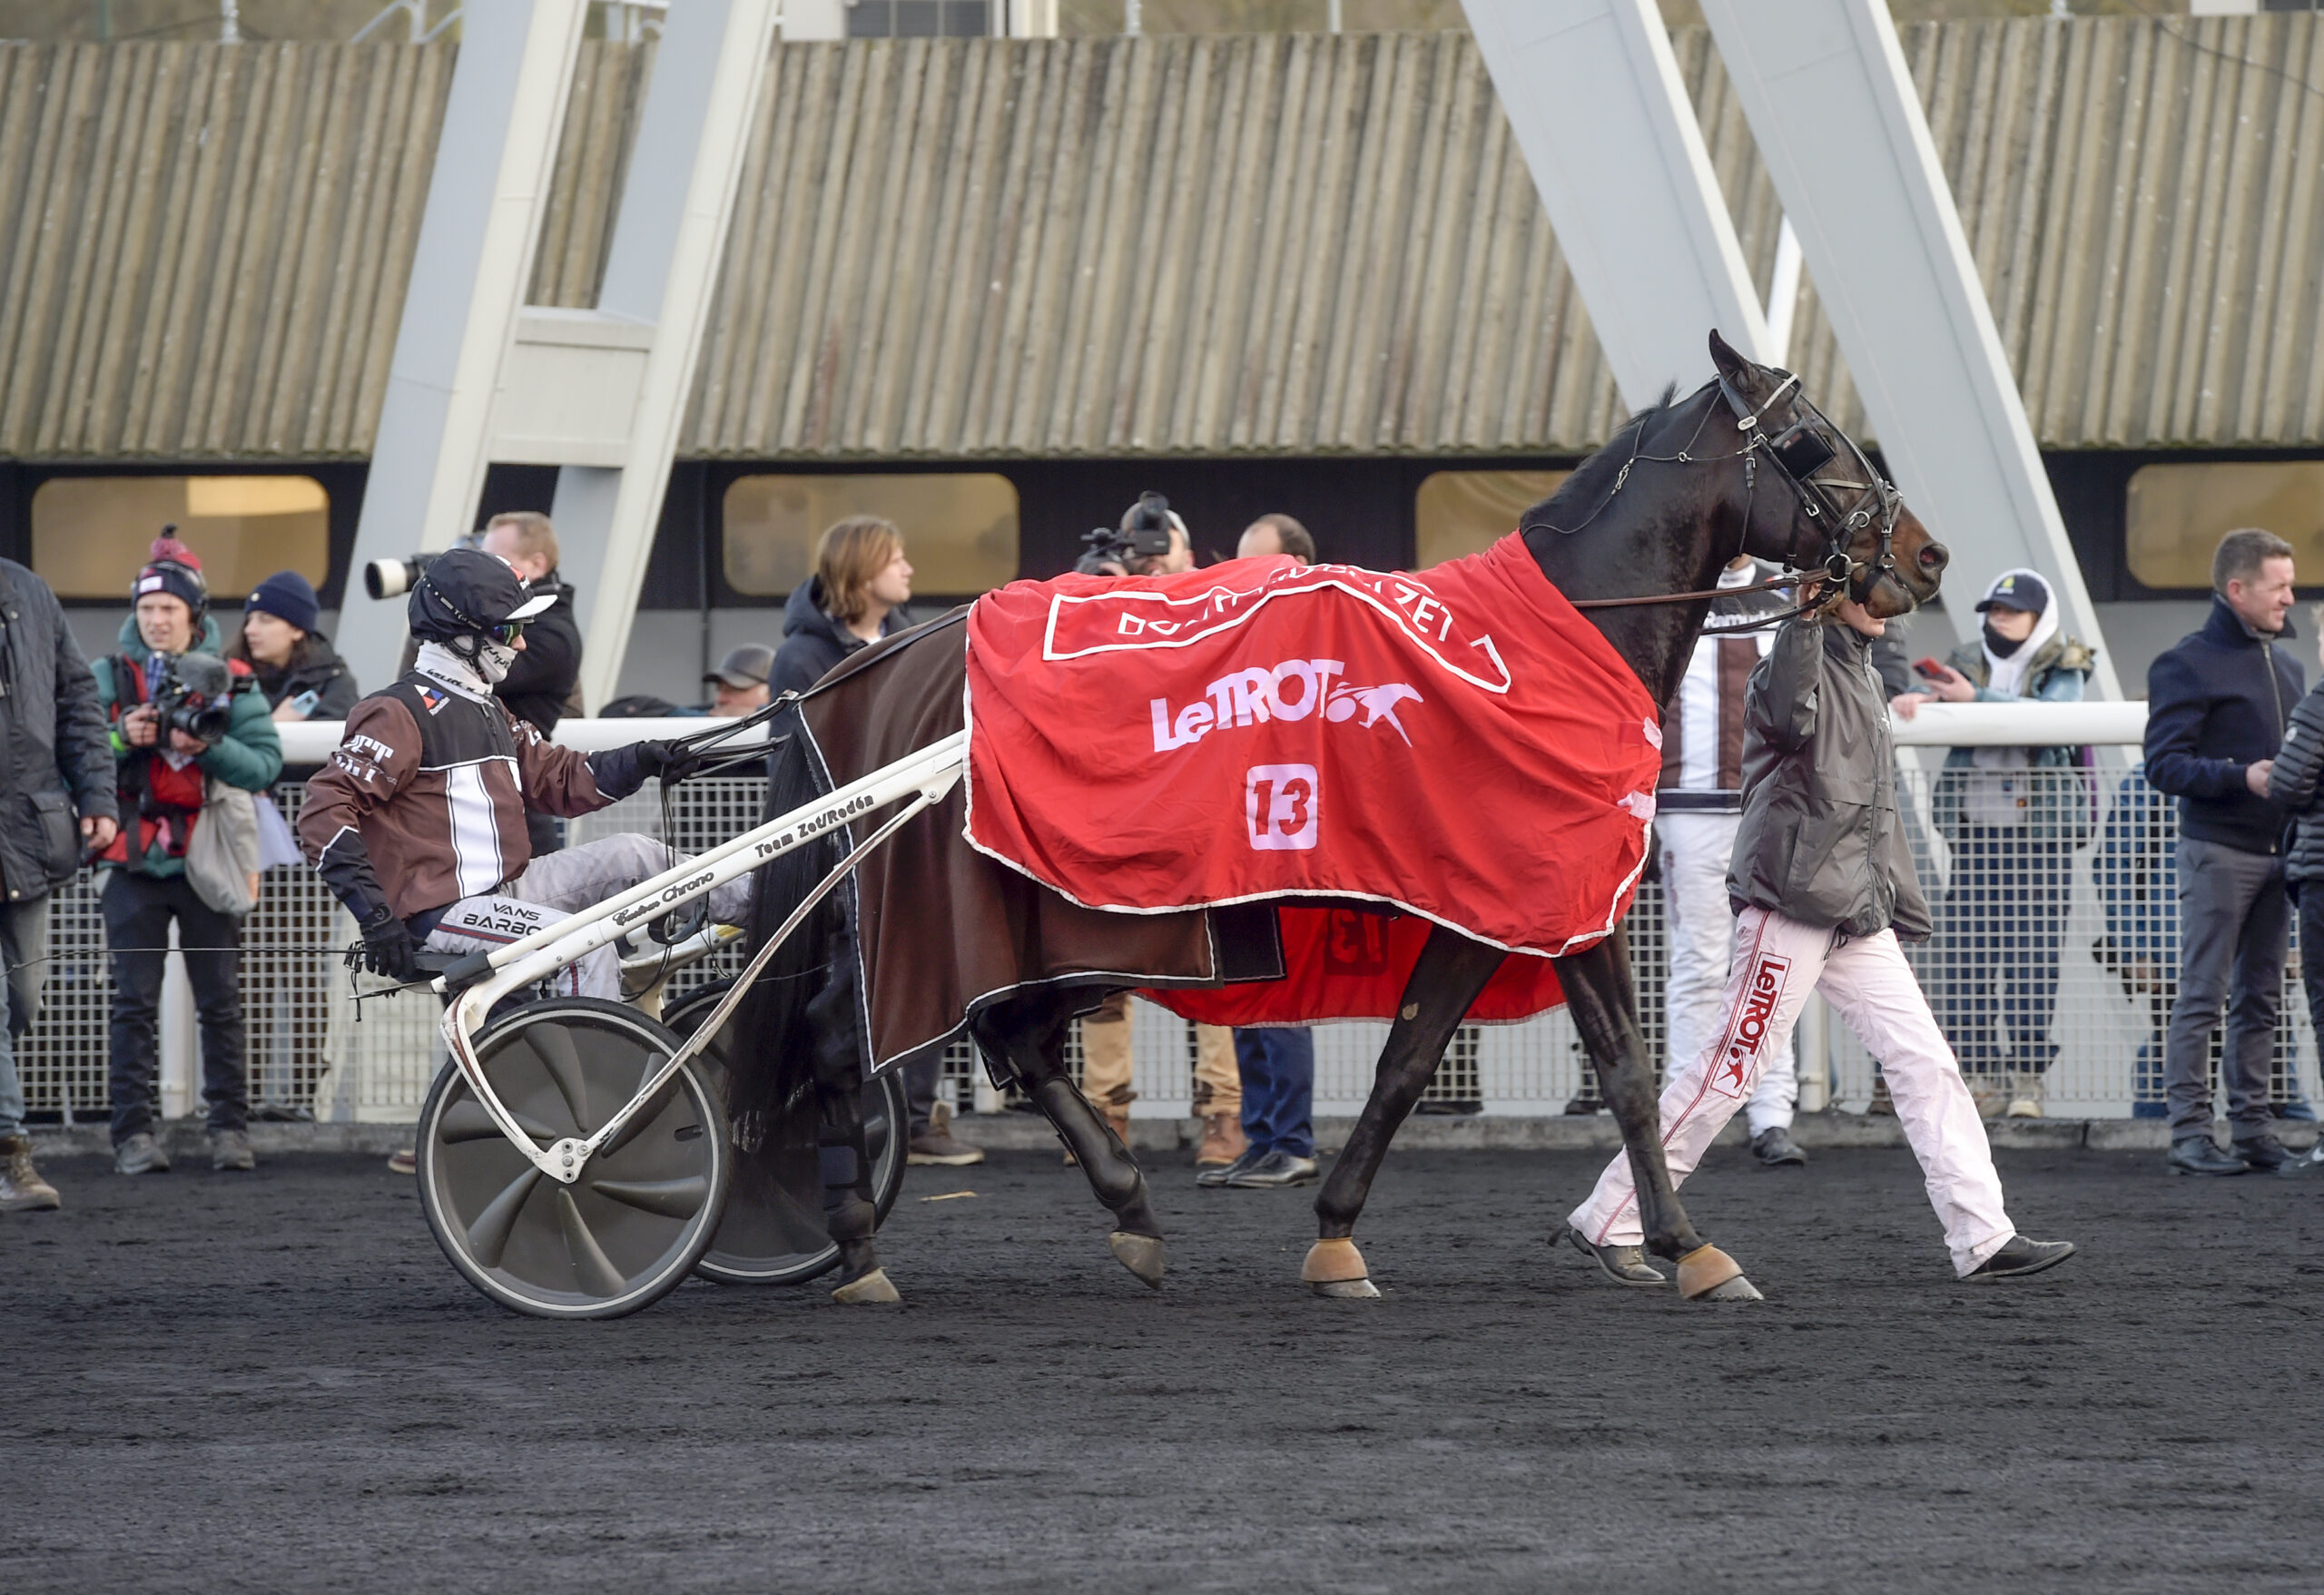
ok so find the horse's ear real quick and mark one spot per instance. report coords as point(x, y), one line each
point(1731, 365)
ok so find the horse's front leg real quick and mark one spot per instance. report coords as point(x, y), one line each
point(1028, 1035)
point(1603, 1000)
point(1452, 970)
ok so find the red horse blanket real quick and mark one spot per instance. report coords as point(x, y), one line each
point(1461, 744)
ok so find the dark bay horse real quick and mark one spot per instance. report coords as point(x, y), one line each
point(935, 934)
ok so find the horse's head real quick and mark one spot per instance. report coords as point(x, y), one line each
point(1817, 502)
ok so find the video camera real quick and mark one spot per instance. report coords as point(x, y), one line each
point(1144, 534)
point(192, 693)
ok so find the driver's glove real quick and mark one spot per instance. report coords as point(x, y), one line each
point(388, 948)
point(620, 771)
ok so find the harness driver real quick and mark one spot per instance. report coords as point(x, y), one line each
point(417, 823)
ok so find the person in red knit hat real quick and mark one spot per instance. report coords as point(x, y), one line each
point(161, 773)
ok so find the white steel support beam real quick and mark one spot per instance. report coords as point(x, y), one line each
point(473, 260)
point(1831, 102)
point(660, 274)
point(1593, 96)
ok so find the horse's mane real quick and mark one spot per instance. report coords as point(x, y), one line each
point(1583, 492)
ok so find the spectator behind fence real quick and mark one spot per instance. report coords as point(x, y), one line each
point(856, 596)
point(294, 664)
point(2014, 817)
point(544, 683)
point(162, 775)
point(1275, 1063)
point(739, 685)
point(2295, 787)
point(1108, 1064)
point(303, 678)
point(2217, 702)
point(55, 766)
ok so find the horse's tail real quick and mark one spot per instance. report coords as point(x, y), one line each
point(800, 1023)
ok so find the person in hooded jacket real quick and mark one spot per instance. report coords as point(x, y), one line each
point(856, 596)
point(1823, 886)
point(2014, 817)
point(160, 774)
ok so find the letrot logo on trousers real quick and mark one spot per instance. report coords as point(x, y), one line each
point(1739, 1055)
point(1292, 690)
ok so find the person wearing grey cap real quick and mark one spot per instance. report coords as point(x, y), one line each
point(739, 684)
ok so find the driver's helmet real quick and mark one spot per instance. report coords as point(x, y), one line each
point(467, 592)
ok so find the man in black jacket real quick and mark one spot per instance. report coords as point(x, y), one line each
point(56, 797)
point(541, 684)
point(2217, 703)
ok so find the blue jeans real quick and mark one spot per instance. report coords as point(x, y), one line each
point(24, 946)
point(1278, 1070)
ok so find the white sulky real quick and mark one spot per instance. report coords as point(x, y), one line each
point(924, 777)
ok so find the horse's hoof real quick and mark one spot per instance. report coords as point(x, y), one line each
point(1708, 1274)
point(1145, 1256)
point(1335, 1268)
point(873, 1290)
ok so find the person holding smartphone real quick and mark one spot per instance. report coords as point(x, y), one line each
point(302, 676)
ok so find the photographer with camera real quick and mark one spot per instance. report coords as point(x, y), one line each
point(1152, 540)
point(183, 718)
point(544, 684)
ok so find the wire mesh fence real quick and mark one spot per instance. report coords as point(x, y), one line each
point(2052, 967)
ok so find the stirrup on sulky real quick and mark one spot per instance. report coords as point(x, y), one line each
point(873, 1290)
point(1708, 1274)
point(1335, 1268)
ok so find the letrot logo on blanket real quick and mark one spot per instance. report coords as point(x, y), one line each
point(1292, 690)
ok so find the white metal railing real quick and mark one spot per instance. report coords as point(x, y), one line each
point(306, 1049)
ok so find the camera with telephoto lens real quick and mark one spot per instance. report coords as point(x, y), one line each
point(192, 693)
point(392, 578)
point(1144, 534)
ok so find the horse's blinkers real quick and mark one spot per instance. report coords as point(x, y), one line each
point(1800, 451)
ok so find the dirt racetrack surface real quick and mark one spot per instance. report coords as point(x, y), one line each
point(275, 1381)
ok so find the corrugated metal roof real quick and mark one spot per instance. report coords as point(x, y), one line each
point(205, 247)
point(1264, 245)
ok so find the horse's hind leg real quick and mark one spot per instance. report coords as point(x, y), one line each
point(1603, 1000)
point(850, 1213)
point(1450, 972)
point(1030, 1035)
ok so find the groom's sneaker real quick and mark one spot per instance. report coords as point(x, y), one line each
point(1622, 1264)
point(1774, 1148)
point(2020, 1256)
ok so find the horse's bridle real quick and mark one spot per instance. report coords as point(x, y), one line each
point(1800, 450)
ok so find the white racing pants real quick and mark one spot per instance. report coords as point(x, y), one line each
point(560, 883)
point(1776, 963)
point(1696, 849)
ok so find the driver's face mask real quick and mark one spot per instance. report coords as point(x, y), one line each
point(493, 662)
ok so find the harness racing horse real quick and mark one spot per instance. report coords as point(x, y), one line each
point(936, 934)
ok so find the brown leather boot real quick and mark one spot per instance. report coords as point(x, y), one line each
point(22, 1189)
point(1223, 1140)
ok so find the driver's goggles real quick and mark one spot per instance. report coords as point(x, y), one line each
point(507, 633)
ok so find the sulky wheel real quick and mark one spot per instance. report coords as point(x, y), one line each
point(774, 1231)
point(645, 1206)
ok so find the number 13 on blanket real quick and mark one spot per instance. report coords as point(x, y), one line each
point(1279, 807)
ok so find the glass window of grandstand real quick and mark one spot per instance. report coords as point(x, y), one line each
point(90, 534)
point(959, 528)
point(1466, 512)
point(919, 19)
point(2178, 513)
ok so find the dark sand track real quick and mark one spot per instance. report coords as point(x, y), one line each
point(274, 1381)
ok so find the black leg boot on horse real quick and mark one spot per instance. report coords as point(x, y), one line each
point(850, 1213)
point(1603, 1000)
point(1030, 1036)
